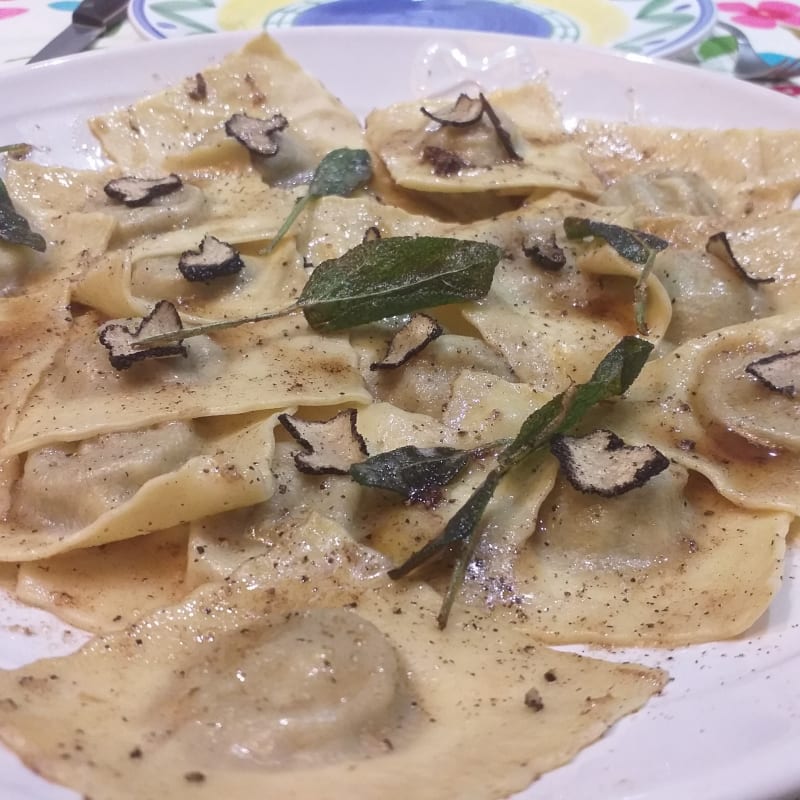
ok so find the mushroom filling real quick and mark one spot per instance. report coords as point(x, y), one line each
point(135, 192)
point(214, 259)
point(601, 463)
point(719, 246)
point(331, 446)
point(413, 337)
point(777, 372)
point(259, 136)
point(120, 339)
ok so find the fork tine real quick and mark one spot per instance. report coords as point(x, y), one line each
point(783, 70)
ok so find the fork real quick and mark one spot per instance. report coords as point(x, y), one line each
point(751, 67)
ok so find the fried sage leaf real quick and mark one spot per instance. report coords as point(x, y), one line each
point(612, 377)
point(396, 275)
point(14, 228)
point(340, 173)
point(636, 246)
point(417, 473)
point(379, 279)
point(17, 151)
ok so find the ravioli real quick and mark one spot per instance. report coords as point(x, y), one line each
point(134, 482)
point(81, 395)
point(210, 697)
point(258, 80)
point(545, 157)
point(700, 407)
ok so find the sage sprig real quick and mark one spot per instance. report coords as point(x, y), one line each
point(16, 150)
point(416, 473)
point(379, 279)
point(636, 246)
point(340, 172)
point(612, 377)
point(14, 228)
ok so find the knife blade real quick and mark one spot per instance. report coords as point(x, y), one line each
point(90, 20)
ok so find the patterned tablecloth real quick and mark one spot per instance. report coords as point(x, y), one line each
point(684, 30)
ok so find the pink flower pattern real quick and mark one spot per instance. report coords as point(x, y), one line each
point(763, 15)
point(7, 13)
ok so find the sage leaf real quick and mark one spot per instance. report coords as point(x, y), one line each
point(612, 377)
point(17, 150)
point(414, 472)
point(340, 172)
point(635, 246)
point(398, 275)
point(465, 526)
point(379, 279)
point(14, 228)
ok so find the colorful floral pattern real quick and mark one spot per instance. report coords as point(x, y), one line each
point(772, 26)
point(763, 15)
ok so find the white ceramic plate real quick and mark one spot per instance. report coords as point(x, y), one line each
point(647, 27)
point(728, 725)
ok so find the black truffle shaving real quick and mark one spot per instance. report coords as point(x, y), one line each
point(546, 254)
point(199, 90)
point(259, 136)
point(468, 111)
point(135, 192)
point(777, 372)
point(444, 162)
point(465, 111)
point(120, 340)
point(601, 463)
point(502, 134)
point(411, 339)
point(331, 446)
point(371, 234)
point(214, 259)
point(719, 246)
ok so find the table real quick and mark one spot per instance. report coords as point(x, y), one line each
point(772, 27)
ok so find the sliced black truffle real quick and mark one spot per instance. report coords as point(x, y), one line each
point(601, 463)
point(259, 136)
point(719, 247)
point(546, 253)
point(533, 699)
point(414, 336)
point(464, 112)
point(777, 372)
point(444, 162)
point(371, 234)
point(214, 259)
point(135, 192)
point(120, 339)
point(196, 88)
point(503, 135)
point(331, 446)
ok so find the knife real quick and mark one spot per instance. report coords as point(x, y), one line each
point(90, 20)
